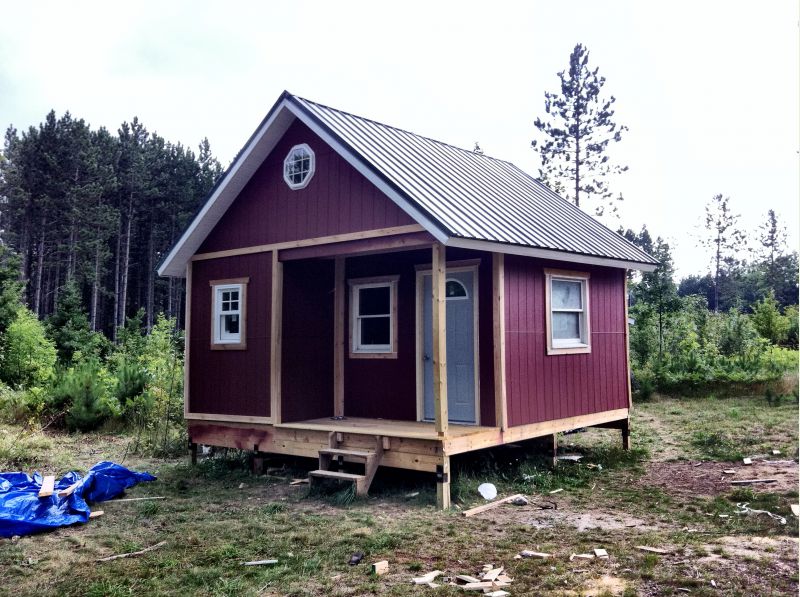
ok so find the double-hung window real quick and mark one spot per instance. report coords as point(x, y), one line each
point(373, 307)
point(228, 325)
point(567, 312)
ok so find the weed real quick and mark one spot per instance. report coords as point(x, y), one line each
point(275, 508)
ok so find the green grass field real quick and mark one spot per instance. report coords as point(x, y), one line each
point(669, 492)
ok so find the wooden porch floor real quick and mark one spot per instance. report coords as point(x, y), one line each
point(386, 427)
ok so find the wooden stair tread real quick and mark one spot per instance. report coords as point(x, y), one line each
point(346, 453)
point(336, 475)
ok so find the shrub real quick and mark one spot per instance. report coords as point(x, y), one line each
point(769, 322)
point(28, 356)
point(82, 391)
point(131, 381)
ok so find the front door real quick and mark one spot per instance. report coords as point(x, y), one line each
point(461, 339)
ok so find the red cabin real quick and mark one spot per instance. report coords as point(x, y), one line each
point(358, 292)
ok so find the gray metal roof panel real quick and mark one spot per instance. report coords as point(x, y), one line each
point(471, 195)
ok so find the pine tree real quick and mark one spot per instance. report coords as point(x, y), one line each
point(772, 238)
point(576, 136)
point(724, 240)
point(657, 288)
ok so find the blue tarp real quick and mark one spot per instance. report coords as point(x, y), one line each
point(23, 512)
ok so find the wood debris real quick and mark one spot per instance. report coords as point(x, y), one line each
point(729, 471)
point(581, 556)
point(96, 514)
point(298, 482)
point(601, 553)
point(493, 573)
point(48, 486)
point(652, 549)
point(483, 585)
point(796, 509)
point(751, 481)
point(747, 460)
point(424, 580)
point(260, 563)
point(500, 593)
point(525, 553)
point(776, 452)
point(557, 490)
point(139, 499)
point(69, 490)
point(133, 554)
point(467, 578)
point(494, 504)
point(380, 568)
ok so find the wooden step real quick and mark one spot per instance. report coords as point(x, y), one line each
point(348, 455)
point(336, 475)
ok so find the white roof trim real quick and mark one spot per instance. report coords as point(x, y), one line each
point(483, 245)
point(245, 166)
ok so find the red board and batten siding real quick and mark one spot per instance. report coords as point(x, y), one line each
point(542, 387)
point(338, 200)
point(231, 382)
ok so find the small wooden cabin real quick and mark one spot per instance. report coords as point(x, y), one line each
point(358, 292)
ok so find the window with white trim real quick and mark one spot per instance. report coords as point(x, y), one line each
point(298, 167)
point(567, 314)
point(373, 304)
point(454, 290)
point(229, 314)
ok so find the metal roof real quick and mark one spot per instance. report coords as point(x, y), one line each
point(462, 198)
point(470, 195)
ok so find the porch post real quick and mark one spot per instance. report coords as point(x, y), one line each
point(499, 335)
point(276, 329)
point(339, 318)
point(438, 274)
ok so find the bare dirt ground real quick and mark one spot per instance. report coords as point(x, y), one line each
point(690, 479)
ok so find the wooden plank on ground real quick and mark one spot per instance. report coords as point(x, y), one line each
point(48, 486)
point(96, 514)
point(133, 553)
point(426, 578)
point(494, 504)
point(380, 568)
point(69, 490)
point(652, 549)
point(752, 481)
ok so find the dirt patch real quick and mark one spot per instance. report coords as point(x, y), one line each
point(604, 585)
point(708, 478)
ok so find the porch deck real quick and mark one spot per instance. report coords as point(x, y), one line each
point(387, 427)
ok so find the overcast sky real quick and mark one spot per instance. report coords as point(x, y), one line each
point(709, 90)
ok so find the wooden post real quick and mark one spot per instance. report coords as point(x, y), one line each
point(438, 275)
point(499, 339)
point(443, 484)
point(275, 339)
point(555, 450)
point(626, 434)
point(193, 452)
point(339, 318)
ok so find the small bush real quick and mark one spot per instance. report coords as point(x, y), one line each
point(82, 392)
point(28, 356)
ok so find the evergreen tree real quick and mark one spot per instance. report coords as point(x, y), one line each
point(576, 134)
point(657, 288)
point(724, 240)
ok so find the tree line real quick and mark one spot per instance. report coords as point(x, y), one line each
point(92, 212)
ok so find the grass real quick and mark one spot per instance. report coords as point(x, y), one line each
point(211, 525)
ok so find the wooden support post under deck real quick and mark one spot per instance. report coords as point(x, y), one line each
point(555, 450)
point(193, 452)
point(339, 317)
point(499, 335)
point(275, 339)
point(438, 275)
point(626, 434)
point(443, 485)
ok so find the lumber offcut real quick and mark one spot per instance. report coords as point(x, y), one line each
point(494, 504)
point(48, 486)
point(133, 553)
point(752, 481)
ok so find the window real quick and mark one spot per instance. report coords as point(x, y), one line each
point(455, 290)
point(229, 299)
point(373, 304)
point(298, 167)
point(567, 305)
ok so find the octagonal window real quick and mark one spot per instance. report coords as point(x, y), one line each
point(298, 167)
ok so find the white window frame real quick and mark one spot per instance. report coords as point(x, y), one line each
point(584, 343)
point(232, 342)
point(456, 298)
point(312, 163)
point(358, 350)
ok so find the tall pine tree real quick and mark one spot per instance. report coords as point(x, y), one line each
point(576, 134)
